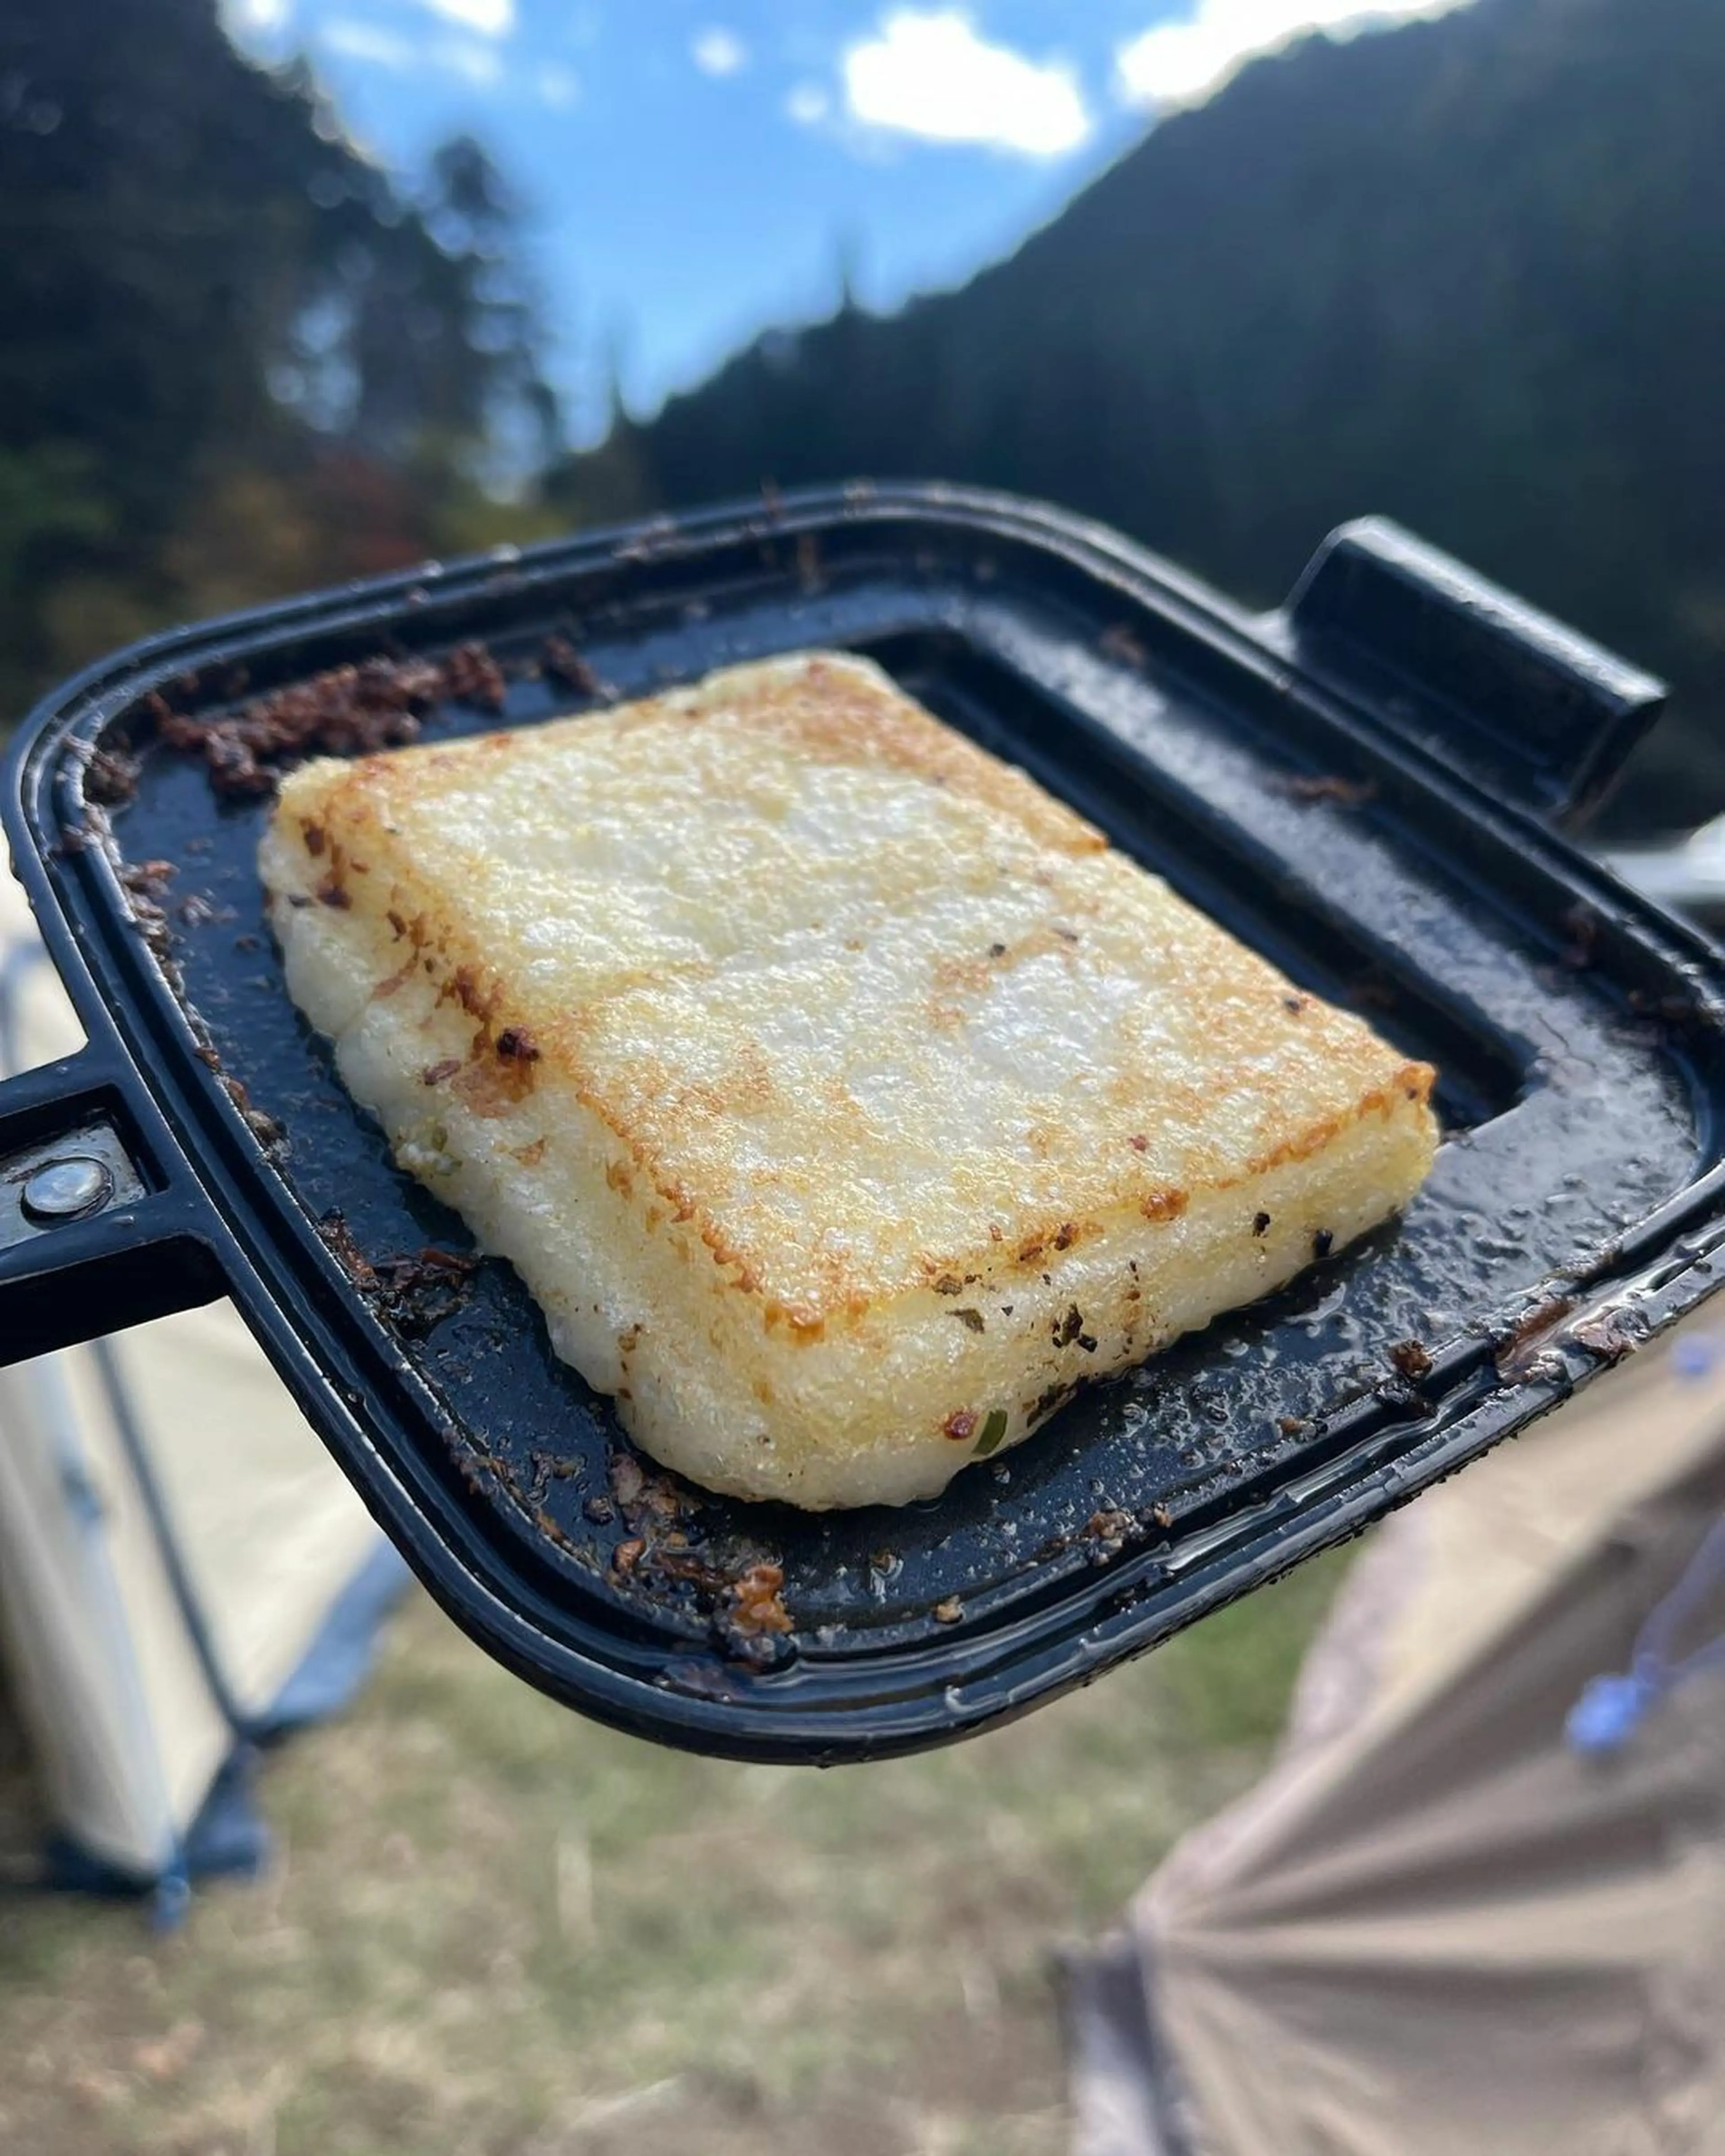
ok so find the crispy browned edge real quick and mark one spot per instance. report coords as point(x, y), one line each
point(856, 720)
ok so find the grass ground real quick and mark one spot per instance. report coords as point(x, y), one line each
point(493, 1930)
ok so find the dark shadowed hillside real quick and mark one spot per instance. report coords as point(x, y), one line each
point(1471, 273)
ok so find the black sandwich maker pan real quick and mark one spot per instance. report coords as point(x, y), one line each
point(1365, 786)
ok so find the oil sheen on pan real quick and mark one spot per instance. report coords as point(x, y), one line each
point(843, 1099)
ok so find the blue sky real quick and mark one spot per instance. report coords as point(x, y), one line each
point(697, 169)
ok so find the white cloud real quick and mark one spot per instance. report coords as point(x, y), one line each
point(558, 86)
point(258, 18)
point(485, 18)
point(932, 73)
point(474, 63)
point(365, 41)
point(718, 52)
point(465, 58)
point(808, 103)
point(1181, 63)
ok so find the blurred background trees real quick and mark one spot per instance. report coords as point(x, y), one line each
point(236, 358)
point(1469, 273)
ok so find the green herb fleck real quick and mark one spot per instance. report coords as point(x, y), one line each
point(994, 1429)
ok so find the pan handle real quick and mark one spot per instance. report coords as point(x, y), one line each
point(1540, 717)
point(94, 1233)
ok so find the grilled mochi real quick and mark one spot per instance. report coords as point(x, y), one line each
point(843, 1099)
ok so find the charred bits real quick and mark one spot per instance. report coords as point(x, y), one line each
point(1410, 1360)
point(415, 1292)
point(1521, 1349)
point(472, 677)
point(735, 1584)
point(345, 711)
point(111, 777)
point(1609, 1337)
point(560, 662)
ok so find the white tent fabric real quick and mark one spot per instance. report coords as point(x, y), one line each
point(1438, 1927)
point(171, 1446)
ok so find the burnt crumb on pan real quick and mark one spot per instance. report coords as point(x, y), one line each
point(549, 1467)
point(346, 711)
point(1401, 1395)
point(263, 1126)
point(755, 1600)
point(600, 1511)
point(1159, 1516)
point(472, 677)
point(559, 659)
point(1107, 1532)
point(414, 1293)
point(1410, 1360)
point(1292, 1426)
point(1120, 642)
point(111, 777)
point(1520, 1350)
point(145, 885)
point(417, 1292)
point(146, 882)
point(1328, 786)
point(338, 1236)
point(733, 1582)
point(1611, 1335)
point(949, 1612)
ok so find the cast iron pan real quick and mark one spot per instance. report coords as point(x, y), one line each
point(1363, 786)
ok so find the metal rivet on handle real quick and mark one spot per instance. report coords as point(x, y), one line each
point(67, 1189)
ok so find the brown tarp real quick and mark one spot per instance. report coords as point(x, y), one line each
point(1436, 1928)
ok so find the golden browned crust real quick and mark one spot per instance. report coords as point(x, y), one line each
point(1216, 1071)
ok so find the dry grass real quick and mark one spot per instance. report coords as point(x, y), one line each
point(495, 1930)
